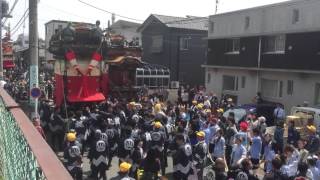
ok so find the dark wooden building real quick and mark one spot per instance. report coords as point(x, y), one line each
point(178, 43)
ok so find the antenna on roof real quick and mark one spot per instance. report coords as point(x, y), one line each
point(113, 18)
point(217, 5)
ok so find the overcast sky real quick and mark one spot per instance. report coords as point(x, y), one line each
point(73, 10)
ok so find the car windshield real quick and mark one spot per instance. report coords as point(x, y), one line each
point(238, 114)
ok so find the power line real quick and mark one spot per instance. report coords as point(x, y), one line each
point(109, 11)
point(22, 23)
point(65, 12)
point(23, 16)
point(12, 8)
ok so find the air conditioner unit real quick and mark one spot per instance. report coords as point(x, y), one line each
point(174, 84)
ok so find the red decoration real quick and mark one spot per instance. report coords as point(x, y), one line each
point(96, 56)
point(70, 55)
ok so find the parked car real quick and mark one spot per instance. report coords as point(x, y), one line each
point(239, 114)
point(310, 112)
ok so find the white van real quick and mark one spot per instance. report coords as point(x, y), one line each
point(308, 111)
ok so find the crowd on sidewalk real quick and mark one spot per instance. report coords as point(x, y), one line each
point(143, 132)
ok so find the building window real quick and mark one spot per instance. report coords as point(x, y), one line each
point(184, 43)
point(243, 82)
point(295, 16)
point(280, 88)
point(208, 78)
point(59, 27)
point(157, 43)
point(247, 23)
point(211, 28)
point(230, 83)
point(233, 45)
point(290, 87)
point(317, 94)
point(274, 44)
point(271, 88)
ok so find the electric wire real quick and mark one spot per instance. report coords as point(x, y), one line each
point(95, 7)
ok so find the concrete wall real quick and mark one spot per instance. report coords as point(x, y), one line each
point(303, 85)
point(245, 95)
point(271, 19)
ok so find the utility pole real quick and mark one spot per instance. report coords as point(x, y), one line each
point(33, 49)
point(3, 13)
point(1, 49)
point(178, 58)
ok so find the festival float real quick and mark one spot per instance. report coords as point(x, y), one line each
point(92, 65)
point(7, 49)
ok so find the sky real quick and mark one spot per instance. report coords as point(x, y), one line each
point(74, 10)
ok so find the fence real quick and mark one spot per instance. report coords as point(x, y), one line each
point(24, 154)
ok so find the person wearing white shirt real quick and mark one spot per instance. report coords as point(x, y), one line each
point(292, 159)
point(239, 152)
point(2, 83)
point(279, 113)
point(206, 102)
point(312, 162)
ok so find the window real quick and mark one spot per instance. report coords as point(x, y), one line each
point(208, 77)
point(295, 16)
point(60, 27)
point(233, 45)
point(229, 83)
point(157, 43)
point(184, 43)
point(317, 94)
point(280, 88)
point(274, 44)
point(211, 28)
point(271, 88)
point(247, 22)
point(243, 82)
point(290, 87)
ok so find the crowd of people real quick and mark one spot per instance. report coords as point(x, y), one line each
point(144, 132)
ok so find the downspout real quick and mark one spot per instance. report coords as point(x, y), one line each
point(259, 61)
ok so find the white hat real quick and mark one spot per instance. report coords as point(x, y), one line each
point(262, 119)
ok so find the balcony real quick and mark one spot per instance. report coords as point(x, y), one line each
point(24, 154)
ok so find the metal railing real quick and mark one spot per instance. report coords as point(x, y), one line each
point(24, 154)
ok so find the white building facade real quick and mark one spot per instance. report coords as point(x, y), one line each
point(272, 49)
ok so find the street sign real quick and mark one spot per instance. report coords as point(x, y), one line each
point(35, 92)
